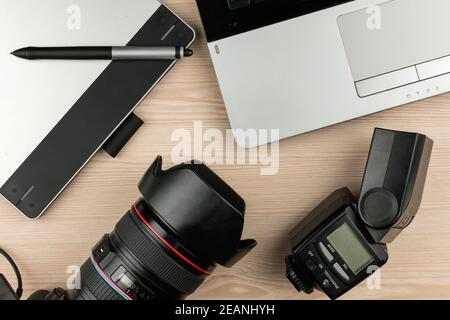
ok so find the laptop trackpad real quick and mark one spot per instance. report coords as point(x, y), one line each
point(397, 43)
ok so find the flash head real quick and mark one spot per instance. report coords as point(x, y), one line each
point(393, 182)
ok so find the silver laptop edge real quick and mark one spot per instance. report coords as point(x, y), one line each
point(334, 65)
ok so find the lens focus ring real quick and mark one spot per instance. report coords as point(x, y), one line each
point(94, 285)
point(154, 258)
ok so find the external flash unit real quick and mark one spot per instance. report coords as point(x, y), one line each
point(341, 242)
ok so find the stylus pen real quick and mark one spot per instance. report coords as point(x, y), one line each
point(103, 53)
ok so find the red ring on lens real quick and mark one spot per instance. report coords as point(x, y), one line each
point(164, 241)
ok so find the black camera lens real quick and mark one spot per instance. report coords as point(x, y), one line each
point(170, 241)
point(140, 260)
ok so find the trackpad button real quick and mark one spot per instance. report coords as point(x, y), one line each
point(386, 82)
point(434, 68)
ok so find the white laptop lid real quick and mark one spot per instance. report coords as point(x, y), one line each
point(35, 95)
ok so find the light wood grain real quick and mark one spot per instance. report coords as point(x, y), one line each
point(311, 166)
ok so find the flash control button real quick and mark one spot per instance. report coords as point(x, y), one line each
point(311, 265)
point(341, 272)
point(325, 252)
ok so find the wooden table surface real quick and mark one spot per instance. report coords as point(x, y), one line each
point(311, 166)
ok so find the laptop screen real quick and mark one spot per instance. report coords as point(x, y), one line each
point(226, 18)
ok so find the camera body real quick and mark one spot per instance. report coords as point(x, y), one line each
point(342, 242)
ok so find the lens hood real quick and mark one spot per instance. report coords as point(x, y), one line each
point(199, 209)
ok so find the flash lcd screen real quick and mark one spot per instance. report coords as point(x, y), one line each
point(349, 247)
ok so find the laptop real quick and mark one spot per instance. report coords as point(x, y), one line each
point(55, 115)
point(298, 66)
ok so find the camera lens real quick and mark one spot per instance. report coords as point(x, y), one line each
point(141, 260)
point(170, 241)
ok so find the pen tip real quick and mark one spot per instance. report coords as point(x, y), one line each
point(188, 52)
point(20, 53)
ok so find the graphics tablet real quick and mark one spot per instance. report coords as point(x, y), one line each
point(55, 115)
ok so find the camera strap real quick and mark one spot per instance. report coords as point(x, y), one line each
point(6, 291)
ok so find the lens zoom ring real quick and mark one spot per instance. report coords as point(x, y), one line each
point(155, 259)
point(92, 281)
